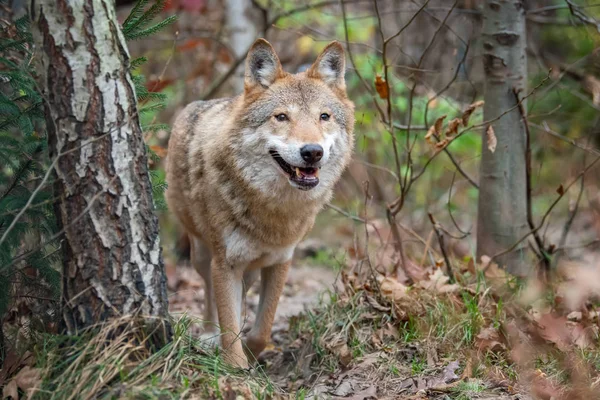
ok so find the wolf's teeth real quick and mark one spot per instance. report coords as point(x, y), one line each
point(317, 173)
point(298, 172)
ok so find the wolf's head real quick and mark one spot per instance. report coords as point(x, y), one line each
point(296, 129)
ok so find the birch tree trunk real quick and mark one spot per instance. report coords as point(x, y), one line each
point(243, 33)
point(112, 261)
point(502, 210)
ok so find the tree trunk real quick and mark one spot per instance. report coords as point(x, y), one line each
point(243, 34)
point(112, 261)
point(502, 211)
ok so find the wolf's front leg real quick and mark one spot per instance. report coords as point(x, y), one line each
point(272, 281)
point(228, 288)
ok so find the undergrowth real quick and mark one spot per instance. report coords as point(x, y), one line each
point(118, 360)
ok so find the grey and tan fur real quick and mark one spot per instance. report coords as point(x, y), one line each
point(248, 175)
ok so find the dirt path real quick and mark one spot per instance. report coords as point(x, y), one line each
point(303, 287)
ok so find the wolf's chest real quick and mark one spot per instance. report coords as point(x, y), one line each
point(249, 253)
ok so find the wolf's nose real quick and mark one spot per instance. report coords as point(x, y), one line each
point(311, 153)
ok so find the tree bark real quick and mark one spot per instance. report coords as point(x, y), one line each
point(112, 261)
point(243, 32)
point(502, 210)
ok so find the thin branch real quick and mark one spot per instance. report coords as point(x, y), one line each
point(233, 67)
point(580, 15)
point(440, 237)
point(536, 236)
point(541, 224)
point(465, 234)
point(43, 183)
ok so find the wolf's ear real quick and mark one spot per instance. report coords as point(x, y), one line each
point(330, 66)
point(262, 65)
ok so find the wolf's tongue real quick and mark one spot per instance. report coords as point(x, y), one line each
point(307, 172)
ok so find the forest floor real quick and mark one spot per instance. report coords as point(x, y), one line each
point(348, 329)
point(362, 375)
point(294, 366)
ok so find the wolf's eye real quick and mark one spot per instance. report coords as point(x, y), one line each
point(281, 117)
point(324, 117)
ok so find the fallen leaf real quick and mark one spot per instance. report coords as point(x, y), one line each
point(392, 289)
point(491, 139)
point(27, 379)
point(488, 339)
point(381, 87)
point(438, 282)
point(562, 333)
point(449, 374)
point(470, 110)
point(343, 354)
point(11, 391)
point(370, 392)
point(574, 316)
point(375, 304)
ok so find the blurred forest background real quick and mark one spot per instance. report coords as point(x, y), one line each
point(413, 309)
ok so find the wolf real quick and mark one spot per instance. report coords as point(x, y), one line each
point(246, 178)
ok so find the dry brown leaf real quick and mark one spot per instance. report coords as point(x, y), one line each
point(542, 387)
point(574, 316)
point(392, 289)
point(375, 304)
point(160, 151)
point(438, 124)
point(560, 190)
point(441, 144)
point(343, 354)
point(564, 334)
point(492, 141)
point(429, 138)
point(470, 110)
point(592, 84)
point(367, 393)
point(26, 380)
point(11, 391)
point(452, 128)
point(489, 340)
point(381, 87)
point(438, 282)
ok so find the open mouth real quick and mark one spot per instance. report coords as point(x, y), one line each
point(305, 178)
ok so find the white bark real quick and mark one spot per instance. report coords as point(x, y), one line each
point(243, 33)
point(94, 128)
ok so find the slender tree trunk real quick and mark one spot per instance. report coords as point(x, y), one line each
point(502, 211)
point(112, 261)
point(243, 33)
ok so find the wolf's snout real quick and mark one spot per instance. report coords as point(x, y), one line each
point(311, 153)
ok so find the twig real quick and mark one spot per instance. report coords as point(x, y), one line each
point(577, 13)
point(232, 68)
point(538, 241)
point(480, 125)
point(465, 234)
point(569, 223)
point(440, 237)
point(58, 234)
point(560, 196)
point(43, 183)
